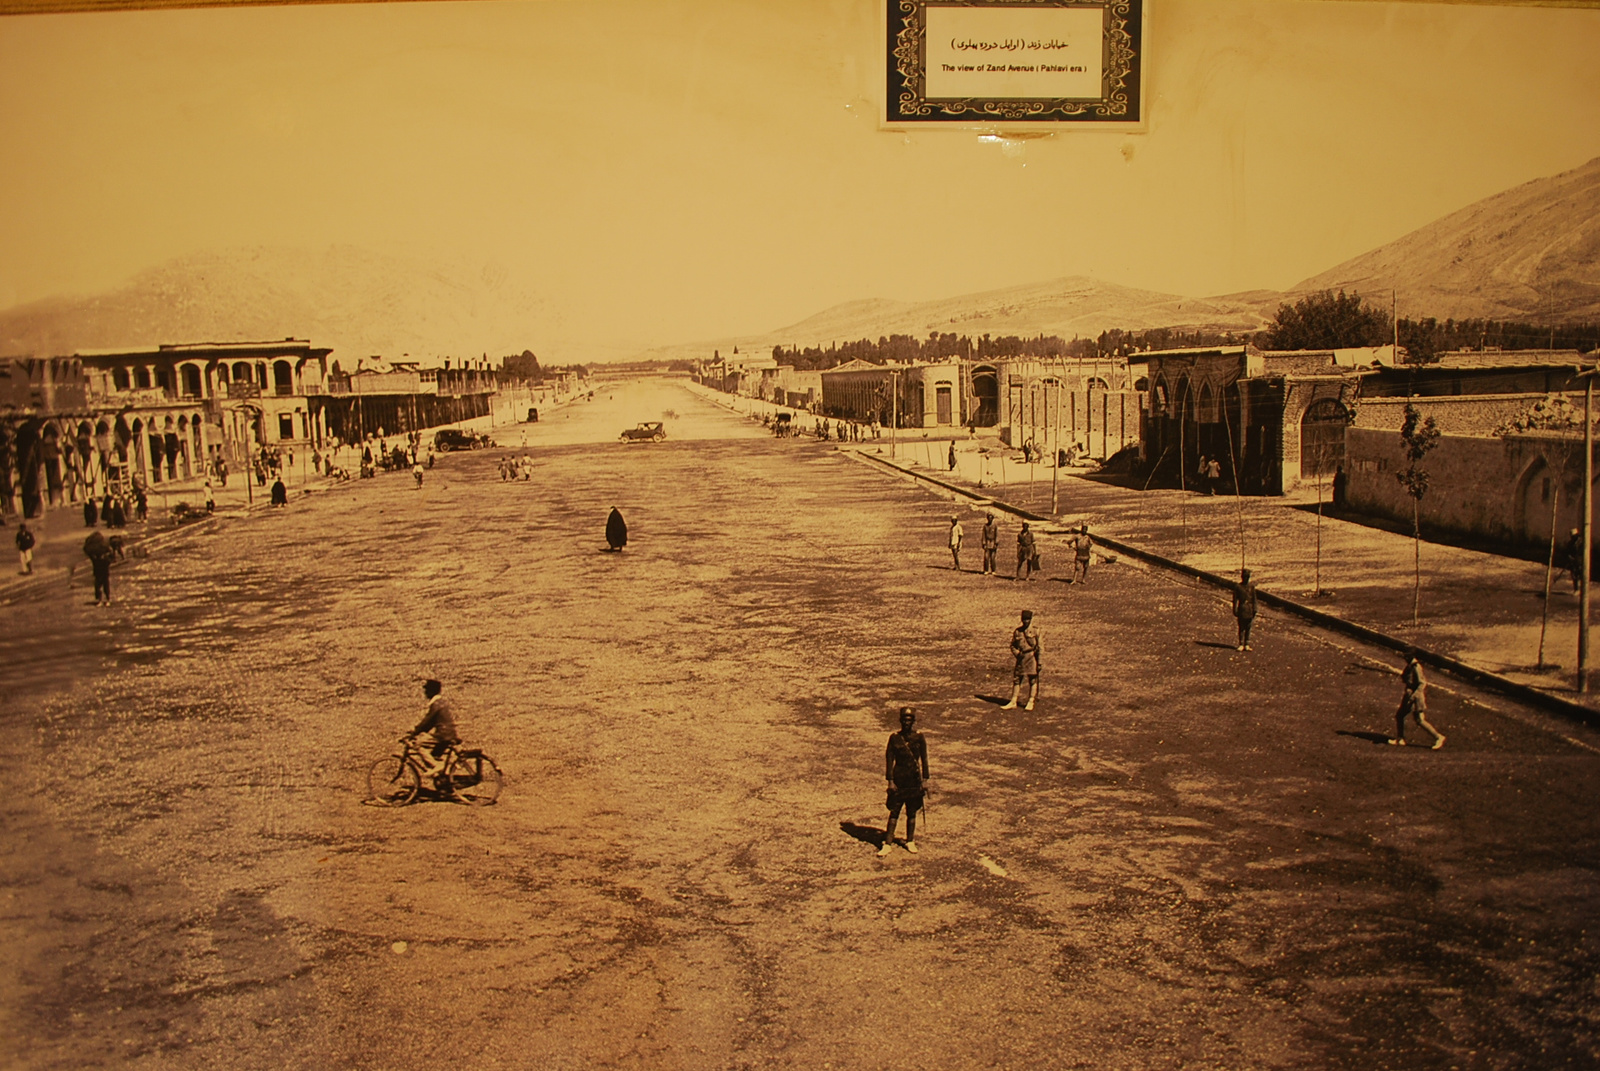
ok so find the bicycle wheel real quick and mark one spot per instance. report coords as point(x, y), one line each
point(475, 780)
point(392, 782)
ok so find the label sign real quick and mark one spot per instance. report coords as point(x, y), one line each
point(1016, 62)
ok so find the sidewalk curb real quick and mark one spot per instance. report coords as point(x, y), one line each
point(1480, 677)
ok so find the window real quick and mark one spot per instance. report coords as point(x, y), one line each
point(285, 425)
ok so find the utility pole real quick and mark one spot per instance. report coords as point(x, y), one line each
point(1055, 458)
point(894, 407)
point(1588, 527)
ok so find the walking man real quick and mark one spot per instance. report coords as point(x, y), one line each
point(1025, 646)
point(952, 455)
point(1213, 476)
point(955, 543)
point(905, 770)
point(1244, 607)
point(991, 544)
point(1027, 553)
point(211, 499)
point(98, 550)
point(1414, 702)
point(1082, 547)
point(25, 543)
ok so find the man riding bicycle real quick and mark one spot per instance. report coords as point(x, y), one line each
point(436, 732)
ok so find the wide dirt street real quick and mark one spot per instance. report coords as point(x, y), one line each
point(1187, 856)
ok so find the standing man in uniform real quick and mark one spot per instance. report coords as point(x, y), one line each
point(1026, 647)
point(905, 770)
point(1244, 607)
point(24, 548)
point(991, 544)
point(1027, 550)
point(1414, 702)
point(955, 543)
point(1082, 547)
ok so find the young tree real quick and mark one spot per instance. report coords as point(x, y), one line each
point(1418, 435)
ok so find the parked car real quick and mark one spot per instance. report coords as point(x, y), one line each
point(650, 431)
point(457, 439)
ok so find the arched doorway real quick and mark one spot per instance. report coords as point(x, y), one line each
point(1322, 438)
point(986, 394)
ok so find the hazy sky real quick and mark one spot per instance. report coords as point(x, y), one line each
point(665, 170)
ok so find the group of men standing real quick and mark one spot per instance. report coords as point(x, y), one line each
point(1028, 562)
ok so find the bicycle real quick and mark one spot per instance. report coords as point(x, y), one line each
point(468, 776)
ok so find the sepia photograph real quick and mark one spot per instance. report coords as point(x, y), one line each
point(539, 525)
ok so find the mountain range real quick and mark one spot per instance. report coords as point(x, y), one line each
point(1530, 253)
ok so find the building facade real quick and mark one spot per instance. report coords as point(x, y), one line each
point(173, 412)
point(909, 396)
point(1271, 419)
point(1488, 478)
point(1093, 404)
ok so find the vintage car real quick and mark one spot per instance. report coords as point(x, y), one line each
point(457, 439)
point(650, 431)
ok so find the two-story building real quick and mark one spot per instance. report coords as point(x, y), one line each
point(46, 435)
point(169, 413)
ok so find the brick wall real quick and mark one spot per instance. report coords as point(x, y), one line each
point(1482, 486)
point(1467, 414)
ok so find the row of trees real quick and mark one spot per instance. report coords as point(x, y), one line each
point(1329, 320)
point(939, 346)
point(1325, 320)
point(524, 366)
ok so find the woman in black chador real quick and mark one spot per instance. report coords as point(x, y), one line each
point(616, 530)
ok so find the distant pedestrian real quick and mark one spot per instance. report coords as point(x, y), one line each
point(1027, 554)
point(1213, 476)
point(1082, 549)
point(211, 498)
point(91, 515)
point(616, 530)
point(25, 543)
point(416, 474)
point(98, 550)
point(280, 493)
point(141, 505)
point(991, 544)
point(955, 543)
point(1414, 702)
point(905, 771)
point(1572, 557)
point(952, 455)
point(1200, 472)
point(1025, 647)
point(1341, 488)
point(1244, 607)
